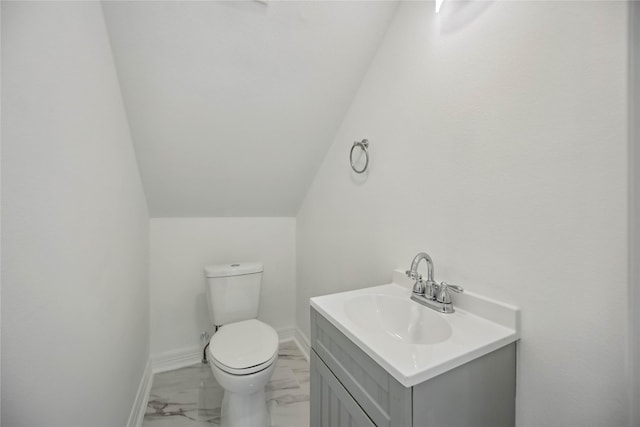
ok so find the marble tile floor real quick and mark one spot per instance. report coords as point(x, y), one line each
point(191, 397)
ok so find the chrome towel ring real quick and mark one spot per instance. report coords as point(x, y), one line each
point(364, 145)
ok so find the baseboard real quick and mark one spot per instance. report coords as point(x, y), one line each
point(175, 359)
point(142, 398)
point(286, 334)
point(302, 342)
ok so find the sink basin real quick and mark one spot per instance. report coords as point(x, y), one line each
point(414, 343)
point(400, 318)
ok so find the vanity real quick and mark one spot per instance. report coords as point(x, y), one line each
point(380, 359)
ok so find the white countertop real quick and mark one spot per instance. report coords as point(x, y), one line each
point(479, 326)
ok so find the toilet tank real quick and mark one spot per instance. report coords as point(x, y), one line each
point(233, 291)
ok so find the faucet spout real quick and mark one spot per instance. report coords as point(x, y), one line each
point(428, 288)
point(413, 271)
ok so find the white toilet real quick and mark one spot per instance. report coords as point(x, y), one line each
point(243, 352)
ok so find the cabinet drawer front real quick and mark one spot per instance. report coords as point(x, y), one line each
point(331, 404)
point(383, 398)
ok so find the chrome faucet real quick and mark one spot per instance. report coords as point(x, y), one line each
point(429, 293)
point(421, 287)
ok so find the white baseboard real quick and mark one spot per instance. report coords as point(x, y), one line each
point(302, 342)
point(286, 334)
point(142, 398)
point(175, 359)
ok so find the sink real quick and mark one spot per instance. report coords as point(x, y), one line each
point(400, 318)
point(414, 343)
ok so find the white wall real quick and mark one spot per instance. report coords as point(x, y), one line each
point(182, 247)
point(75, 317)
point(498, 145)
point(634, 179)
point(0, 225)
point(234, 103)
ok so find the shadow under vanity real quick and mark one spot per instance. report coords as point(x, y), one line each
point(375, 366)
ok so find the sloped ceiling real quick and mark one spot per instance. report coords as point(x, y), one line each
point(232, 105)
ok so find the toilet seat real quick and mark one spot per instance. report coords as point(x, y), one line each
point(245, 347)
point(246, 371)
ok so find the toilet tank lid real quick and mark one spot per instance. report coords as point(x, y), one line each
point(233, 269)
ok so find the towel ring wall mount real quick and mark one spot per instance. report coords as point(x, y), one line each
point(364, 146)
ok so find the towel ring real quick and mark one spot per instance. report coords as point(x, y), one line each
point(364, 145)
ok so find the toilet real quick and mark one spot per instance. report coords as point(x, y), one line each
point(243, 352)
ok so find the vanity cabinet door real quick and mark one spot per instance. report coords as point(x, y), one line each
point(331, 404)
point(386, 402)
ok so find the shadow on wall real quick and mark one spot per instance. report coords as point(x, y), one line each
point(201, 312)
point(458, 15)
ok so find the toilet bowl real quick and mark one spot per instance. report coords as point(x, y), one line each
point(242, 357)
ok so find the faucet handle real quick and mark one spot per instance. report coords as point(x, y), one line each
point(454, 288)
point(443, 293)
point(419, 286)
point(413, 275)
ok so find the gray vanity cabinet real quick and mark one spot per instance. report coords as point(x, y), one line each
point(348, 388)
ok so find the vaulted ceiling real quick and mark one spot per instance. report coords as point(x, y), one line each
point(233, 104)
